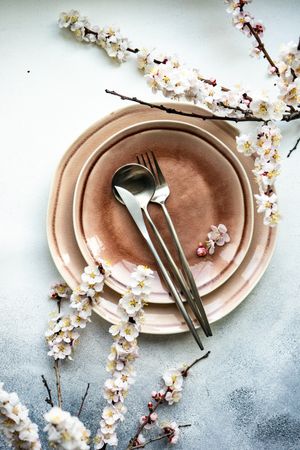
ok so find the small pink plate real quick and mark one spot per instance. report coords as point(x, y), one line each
point(208, 186)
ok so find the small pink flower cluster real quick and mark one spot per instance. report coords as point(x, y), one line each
point(217, 236)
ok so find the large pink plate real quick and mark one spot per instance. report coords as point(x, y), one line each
point(159, 319)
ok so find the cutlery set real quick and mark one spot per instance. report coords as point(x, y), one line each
point(135, 186)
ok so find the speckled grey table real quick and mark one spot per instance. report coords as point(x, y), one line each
point(246, 395)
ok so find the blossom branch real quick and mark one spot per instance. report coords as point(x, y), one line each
point(49, 398)
point(294, 148)
point(83, 399)
point(161, 436)
point(247, 118)
point(171, 393)
point(58, 382)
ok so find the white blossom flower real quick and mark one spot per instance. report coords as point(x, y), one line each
point(262, 107)
point(60, 351)
point(240, 19)
point(266, 172)
point(115, 45)
point(219, 234)
point(290, 55)
point(173, 397)
point(66, 431)
point(142, 273)
point(123, 379)
point(129, 331)
point(144, 57)
point(142, 287)
point(15, 424)
point(173, 428)
point(245, 145)
point(290, 93)
point(131, 304)
point(110, 415)
point(92, 275)
point(60, 290)
point(68, 18)
point(272, 220)
point(266, 203)
point(173, 378)
point(106, 428)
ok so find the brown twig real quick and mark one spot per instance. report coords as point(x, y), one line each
point(161, 436)
point(294, 148)
point(58, 382)
point(185, 371)
point(49, 398)
point(249, 118)
point(83, 399)
point(262, 47)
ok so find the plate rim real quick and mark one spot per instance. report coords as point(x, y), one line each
point(116, 138)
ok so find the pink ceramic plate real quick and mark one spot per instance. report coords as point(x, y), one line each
point(208, 186)
point(159, 319)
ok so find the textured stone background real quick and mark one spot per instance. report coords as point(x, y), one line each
point(246, 395)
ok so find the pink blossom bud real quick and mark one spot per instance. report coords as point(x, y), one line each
point(153, 416)
point(150, 405)
point(154, 394)
point(161, 394)
point(143, 419)
point(201, 250)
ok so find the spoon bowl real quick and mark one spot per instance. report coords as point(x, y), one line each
point(136, 179)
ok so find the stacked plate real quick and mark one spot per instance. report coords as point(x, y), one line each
point(210, 183)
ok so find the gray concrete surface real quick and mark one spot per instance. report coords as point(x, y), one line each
point(246, 395)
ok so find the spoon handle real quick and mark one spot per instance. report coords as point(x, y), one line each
point(137, 215)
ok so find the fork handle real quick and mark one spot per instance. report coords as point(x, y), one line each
point(174, 293)
point(176, 272)
point(186, 269)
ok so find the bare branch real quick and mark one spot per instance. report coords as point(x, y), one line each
point(83, 399)
point(294, 148)
point(49, 398)
point(185, 371)
point(248, 118)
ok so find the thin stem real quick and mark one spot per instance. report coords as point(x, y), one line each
point(294, 148)
point(161, 436)
point(58, 382)
point(249, 118)
point(49, 398)
point(185, 371)
point(83, 399)
point(262, 47)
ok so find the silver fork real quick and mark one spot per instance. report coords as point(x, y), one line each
point(162, 192)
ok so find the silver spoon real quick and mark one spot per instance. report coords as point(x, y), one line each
point(139, 181)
